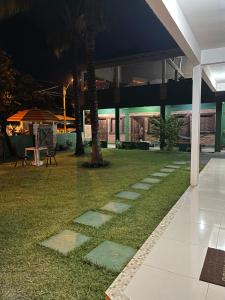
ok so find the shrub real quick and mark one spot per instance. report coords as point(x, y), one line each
point(170, 128)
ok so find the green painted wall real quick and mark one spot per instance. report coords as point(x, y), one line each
point(169, 109)
point(143, 109)
point(106, 111)
point(172, 108)
point(130, 110)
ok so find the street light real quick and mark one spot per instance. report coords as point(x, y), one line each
point(65, 88)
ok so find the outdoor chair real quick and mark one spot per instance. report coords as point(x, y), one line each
point(50, 157)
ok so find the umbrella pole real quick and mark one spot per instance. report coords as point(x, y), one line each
point(64, 108)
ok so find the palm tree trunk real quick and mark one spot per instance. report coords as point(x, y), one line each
point(96, 155)
point(76, 92)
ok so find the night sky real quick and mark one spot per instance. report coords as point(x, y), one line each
point(133, 29)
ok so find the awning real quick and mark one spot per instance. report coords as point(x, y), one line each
point(33, 115)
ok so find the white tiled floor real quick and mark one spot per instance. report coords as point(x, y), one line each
point(171, 271)
point(152, 283)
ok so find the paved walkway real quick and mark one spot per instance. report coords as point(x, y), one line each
point(170, 267)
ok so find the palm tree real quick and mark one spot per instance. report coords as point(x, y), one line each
point(81, 21)
point(94, 21)
point(81, 18)
point(60, 23)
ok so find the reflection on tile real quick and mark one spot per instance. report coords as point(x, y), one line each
point(194, 233)
point(141, 186)
point(110, 255)
point(223, 220)
point(65, 241)
point(128, 195)
point(221, 239)
point(154, 284)
point(207, 203)
point(116, 207)
point(180, 258)
point(206, 192)
point(93, 218)
point(198, 215)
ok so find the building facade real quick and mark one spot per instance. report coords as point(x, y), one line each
point(136, 124)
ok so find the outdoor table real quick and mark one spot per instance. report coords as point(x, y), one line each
point(36, 151)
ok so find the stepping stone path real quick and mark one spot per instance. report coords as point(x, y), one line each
point(65, 241)
point(167, 170)
point(110, 255)
point(173, 167)
point(158, 174)
point(116, 207)
point(142, 186)
point(180, 162)
point(93, 218)
point(151, 180)
point(128, 195)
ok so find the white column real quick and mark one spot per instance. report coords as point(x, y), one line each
point(195, 137)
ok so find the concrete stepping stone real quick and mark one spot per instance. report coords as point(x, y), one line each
point(151, 180)
point(93, 218)
point(180, 162)
point(116, 207)
point(142, 186)
point(128, 195)
point(173, 167)
point(167, 170)
point(110, 255)
point(158, 174)
point(65, 241)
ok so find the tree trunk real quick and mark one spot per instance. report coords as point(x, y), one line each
point(76, 92)
point(96, 156)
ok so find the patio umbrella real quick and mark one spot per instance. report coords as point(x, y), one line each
point(61, 118)
point(33, 115)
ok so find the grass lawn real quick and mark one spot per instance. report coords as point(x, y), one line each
point(36, 203)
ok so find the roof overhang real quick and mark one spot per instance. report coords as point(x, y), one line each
point(179, 22)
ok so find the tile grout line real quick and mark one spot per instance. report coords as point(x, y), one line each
point(207, 292)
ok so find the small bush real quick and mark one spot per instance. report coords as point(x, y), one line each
point(135, 145)
point(142, 145)
point(169, 128)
